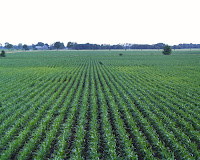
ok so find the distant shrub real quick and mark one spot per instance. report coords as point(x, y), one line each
point(167, 50)
point(3, 53)
point(120, 54)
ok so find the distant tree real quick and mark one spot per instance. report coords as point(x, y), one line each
point(159, 46)
point(15, 47)
point(25, 47)
point(70, 45)
point(19, 46)
point(46, 44)
point(51, 47)
point(40, 44)
point(58, 45)
point(167, 50)
point(62, 46)
point(9, 46)
point(6, 44)
point(3, 53)
point(34, 47)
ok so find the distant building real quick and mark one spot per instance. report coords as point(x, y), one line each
point(42, 47)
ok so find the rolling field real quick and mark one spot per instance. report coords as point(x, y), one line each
point(99, 105)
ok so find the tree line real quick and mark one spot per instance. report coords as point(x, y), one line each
point(76, 46)
point(38, 46)
point(166, 51)
point(89, 46)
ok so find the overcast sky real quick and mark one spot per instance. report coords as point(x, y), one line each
point(100, 21)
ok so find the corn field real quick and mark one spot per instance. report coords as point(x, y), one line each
point(99, 105)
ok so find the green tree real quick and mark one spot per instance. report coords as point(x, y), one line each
point(19, 46)
point(6, 44)
point(25, 47)
point(34, 47)
point(46, 44)
point(167, 50)
point(9, 46)
point(58, 45)
point(40, 44)
point(3, 53)
point(70, 45)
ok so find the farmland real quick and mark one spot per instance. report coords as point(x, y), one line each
point(99, 105)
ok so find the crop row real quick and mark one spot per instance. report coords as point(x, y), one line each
point(93, 110)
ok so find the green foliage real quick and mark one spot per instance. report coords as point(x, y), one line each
point(167, 50)
point(70, 45)
point(66, 105)
point(3, 53)
point(25, 47)
point(9, 46)
point(59, 45)
point(20, 46)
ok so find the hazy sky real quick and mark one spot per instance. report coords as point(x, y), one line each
point(100, 21)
